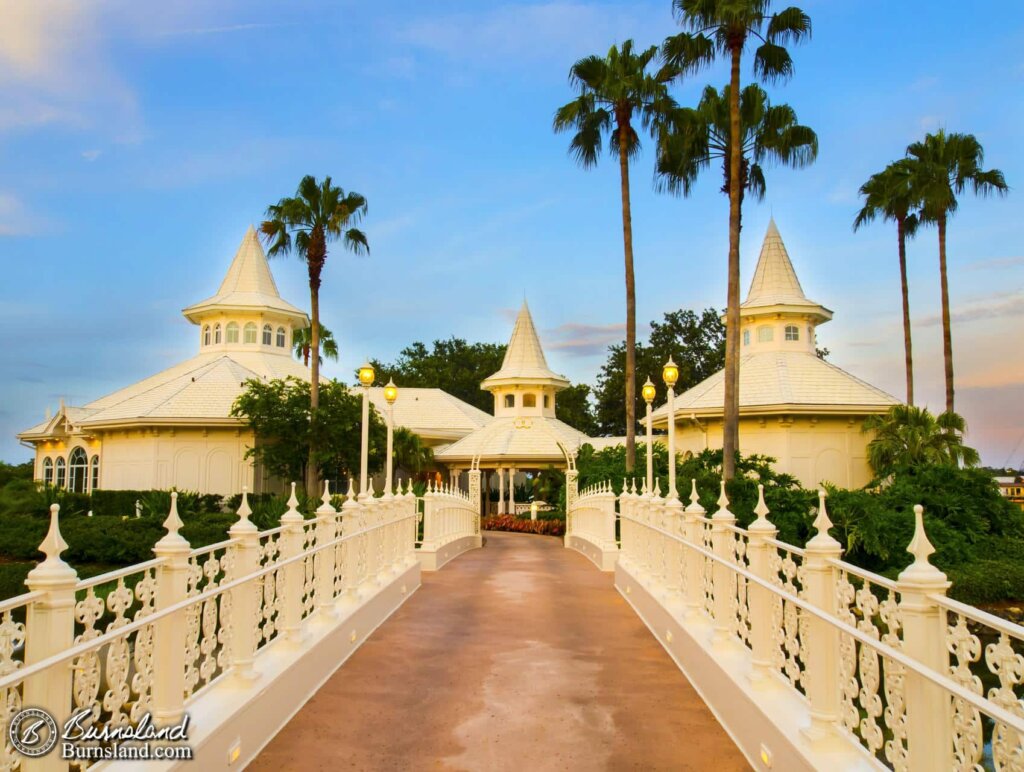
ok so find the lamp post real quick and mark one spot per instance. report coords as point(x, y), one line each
point(670, 373)
point(390, 395)
point(648, 391)
point(366, 376)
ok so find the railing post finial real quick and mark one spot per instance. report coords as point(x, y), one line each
point(921, 548)
point(823, 539)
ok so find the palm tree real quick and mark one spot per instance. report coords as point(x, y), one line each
point(724, 27)
point(302, 225)
point(945, 165)
point(615, 93)
point(691, 138)
point(410, 452)
point(909, 436)
point(891, 195)
point(302, 341)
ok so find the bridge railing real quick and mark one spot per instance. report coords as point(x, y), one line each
point(451, 522)
point(889, 673)
point(590, 524)
point(157, 637)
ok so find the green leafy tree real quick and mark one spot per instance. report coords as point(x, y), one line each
point(302, 344)
point(944, 166)
point(908, 437)
point(615, 94)
point(713, 28)
point(695, 342)
point(454, 365)
point(691, 139)
point(288, 438)
point(302, 225)
point(410, 452)
point(890, 194)
point(573, 406)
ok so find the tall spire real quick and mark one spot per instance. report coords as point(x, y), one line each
point(524, 358)
point(247, 285)
point(775, 281)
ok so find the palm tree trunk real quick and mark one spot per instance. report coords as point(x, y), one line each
point(731, 409)
point(947, 334)
point(627, 243)
point(907, 346)
point(315, 260)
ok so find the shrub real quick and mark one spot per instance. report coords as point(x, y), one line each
point(523, 525)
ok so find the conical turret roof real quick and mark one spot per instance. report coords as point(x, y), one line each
point(775, 283)
point(524, 358)
point(248, 285)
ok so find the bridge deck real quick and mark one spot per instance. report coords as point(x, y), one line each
point(517, 656)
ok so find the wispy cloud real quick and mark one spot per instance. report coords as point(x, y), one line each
point(997, 263)
point(998, 305)
point(227, 28)
point(579, 339)
point(520, 34)
point(15, 220)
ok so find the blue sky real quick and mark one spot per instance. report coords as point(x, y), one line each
point(138, 141)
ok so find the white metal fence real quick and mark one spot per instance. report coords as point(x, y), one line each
point(915, 679)
point(153, 637)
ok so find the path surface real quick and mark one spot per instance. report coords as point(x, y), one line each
point(520, 656)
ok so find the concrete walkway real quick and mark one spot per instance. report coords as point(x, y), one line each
point(520, 656)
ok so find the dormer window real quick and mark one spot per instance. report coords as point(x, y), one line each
point(268, 335)
point(47, 471)
point(792, 332)
point(231, 332)
point(765, 334)
point(746, 337)
point(249, 333)
point(510, 400)
point(216, 333)
point(529, 400)
point(280, 337)
point(206, 335)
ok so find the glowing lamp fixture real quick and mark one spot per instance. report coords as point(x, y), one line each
point(670, 373)
point(648, 391)
point(390, 392)
point(366, 374)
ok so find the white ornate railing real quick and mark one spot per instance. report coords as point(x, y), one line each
point(158, 636)
point(891, 673)
point(590, 524)
point(451, 522)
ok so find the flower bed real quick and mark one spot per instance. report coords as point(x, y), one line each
point(523, 525)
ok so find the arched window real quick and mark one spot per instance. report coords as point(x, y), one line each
point(280, 337)
point(765, 334)
point(47, 471)
point(78, 468)
point(231, 332)
point(61, 473)
point(206, 335)
point(249, 334)
point(95, 473)
point(216, 333)
point(746, 337)
point(792, 332)
point(268, 335)
point(529, 400)
point(510, 400)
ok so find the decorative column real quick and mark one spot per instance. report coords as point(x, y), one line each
point(169, 633)
point(245, 599)
point(929, 734)
point(572, 492)
point(501, 490)
point(474, 498)
point(693, 525)
point(49, 630)
point(292, 538)
point(724, 580)
point(821, 667)
point(512, 491)
point(326, 527)
point(759, 599)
